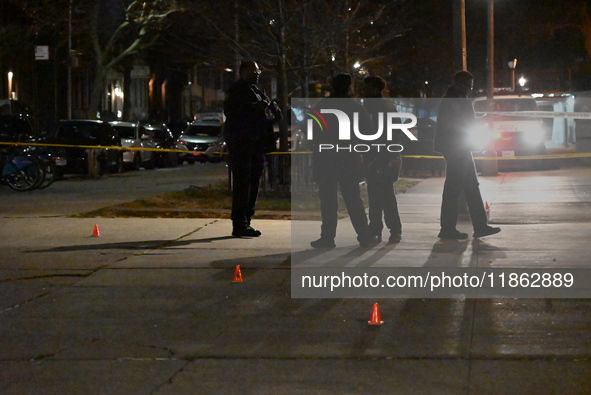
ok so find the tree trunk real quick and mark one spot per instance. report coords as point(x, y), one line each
point(127, 114)
point(95, 105)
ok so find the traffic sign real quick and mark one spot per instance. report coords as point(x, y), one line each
point(41, 52)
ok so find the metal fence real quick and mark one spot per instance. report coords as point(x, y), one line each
point(287, 172)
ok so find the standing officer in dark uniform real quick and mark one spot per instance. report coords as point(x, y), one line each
point(382, 168)
point(248, 133)
point(455, 119)
point(336, 169)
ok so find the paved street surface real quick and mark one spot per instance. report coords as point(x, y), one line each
point(149, 307)
point(79, 193)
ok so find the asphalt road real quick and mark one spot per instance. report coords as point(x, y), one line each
point(150, 306)
point(79, 194)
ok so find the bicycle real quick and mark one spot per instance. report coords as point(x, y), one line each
point(46, 162)
point(22, 172)
point(50, 173)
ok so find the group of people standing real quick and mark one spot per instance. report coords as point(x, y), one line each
point(250, 116)
point(335, 170)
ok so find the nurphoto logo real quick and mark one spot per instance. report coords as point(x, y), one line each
point(387, 123)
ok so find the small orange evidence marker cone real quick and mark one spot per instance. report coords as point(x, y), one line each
point(376, 319)
point(237, 275)
point(95, 232)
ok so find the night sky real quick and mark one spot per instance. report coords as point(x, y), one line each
point(547, 37)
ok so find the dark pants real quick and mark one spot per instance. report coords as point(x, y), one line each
point(382, 200)
point(381, 172)
point(327, 189)
point(461, 178)
point(246, 160)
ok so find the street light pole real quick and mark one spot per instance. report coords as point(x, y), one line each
point(490, 61)
point(69, 95)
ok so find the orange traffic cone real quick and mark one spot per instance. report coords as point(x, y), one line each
point(486, 206)
point(376, 319)
point(95, 232)
point(487, 209)
point(237, 275)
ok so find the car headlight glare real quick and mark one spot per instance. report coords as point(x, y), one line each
point(533, 136)
point(479, 136)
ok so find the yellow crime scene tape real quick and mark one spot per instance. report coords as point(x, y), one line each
point(527, 114)
point(539, 114)
point(529, 157)
point(97, 147)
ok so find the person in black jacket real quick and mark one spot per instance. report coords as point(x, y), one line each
point(382, 168)
point(334, 170)
point(455, 119)
point(248, 133)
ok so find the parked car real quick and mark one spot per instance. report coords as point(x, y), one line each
point(511, 135)
point(204, 140)
point(134, 135)
point(16, 128)
point(14, 107)
point(74, 160)
point(163, 138)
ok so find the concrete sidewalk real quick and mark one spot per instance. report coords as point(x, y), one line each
point(150, 307)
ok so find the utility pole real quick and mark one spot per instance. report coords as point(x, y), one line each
point(459, 25)
point(460, 63)
point(490, 59)
point(490, 167)
point(236, 41)
point(69, 96)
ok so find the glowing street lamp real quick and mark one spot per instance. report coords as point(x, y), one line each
point(10, 75)
point(512, 64)
point(522, 81)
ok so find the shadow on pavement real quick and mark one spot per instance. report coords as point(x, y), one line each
point(133, 245)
